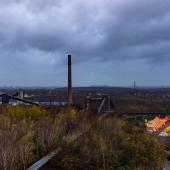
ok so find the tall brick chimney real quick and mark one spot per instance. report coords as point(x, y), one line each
point(69, 82)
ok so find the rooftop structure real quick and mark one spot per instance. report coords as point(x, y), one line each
point(159, 126)
point(157, 123)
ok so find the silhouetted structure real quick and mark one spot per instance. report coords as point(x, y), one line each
point(134, 88)
point(69, 81)
point(19, 95)
point(6, 98)
point(99, 104)
point(134, 85)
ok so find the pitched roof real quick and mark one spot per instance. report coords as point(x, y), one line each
point(157, 123)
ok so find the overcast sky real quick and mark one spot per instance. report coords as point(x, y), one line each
point(112, 42)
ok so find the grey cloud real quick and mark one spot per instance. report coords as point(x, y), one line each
point(44, 31)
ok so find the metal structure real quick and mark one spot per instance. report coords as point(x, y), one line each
point(40, 163)
point(100, 104)
point(6, 98)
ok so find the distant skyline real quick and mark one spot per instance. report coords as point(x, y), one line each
point(112, 42)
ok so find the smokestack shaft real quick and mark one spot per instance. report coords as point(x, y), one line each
point(69, 81)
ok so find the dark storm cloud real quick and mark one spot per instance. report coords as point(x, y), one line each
point(39, 34)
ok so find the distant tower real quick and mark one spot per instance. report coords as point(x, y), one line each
point(69, 82)
point(134, 85)
point(135, 92)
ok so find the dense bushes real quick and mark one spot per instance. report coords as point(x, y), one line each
point(28, 132)
point(113, 144)
point(21, 112)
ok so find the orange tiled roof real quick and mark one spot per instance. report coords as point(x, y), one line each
point(157, 123)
